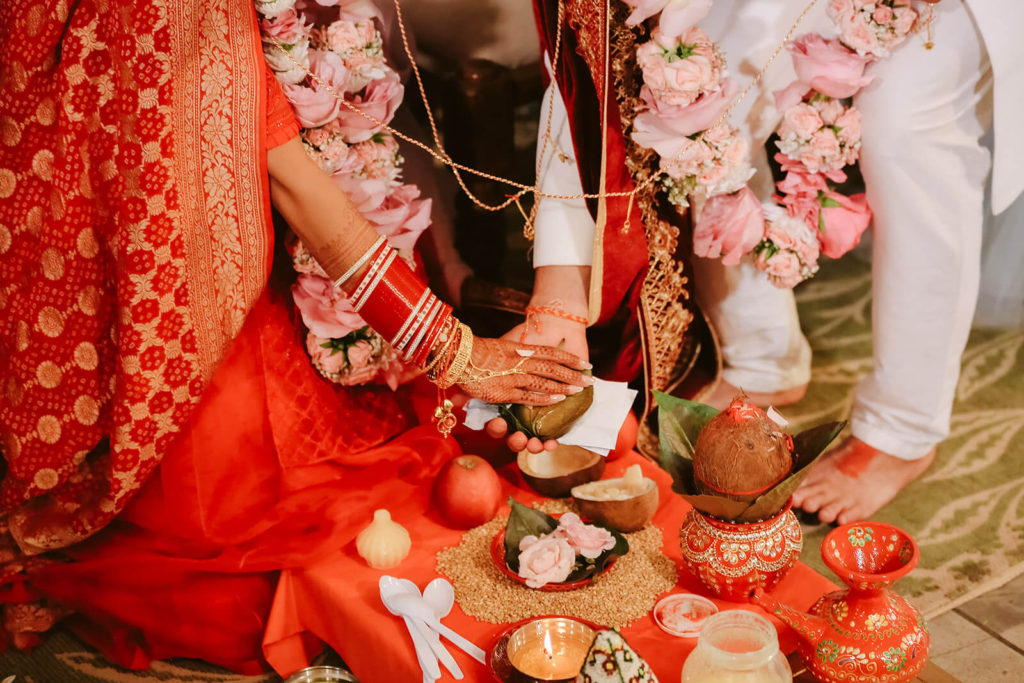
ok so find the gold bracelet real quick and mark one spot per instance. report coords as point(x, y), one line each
point(440, 350)
point(462, 356)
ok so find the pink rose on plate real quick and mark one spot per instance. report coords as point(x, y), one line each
point(728, 225)
point(844, 220)
point(401, 217)
point(325, 311)
point(544, 560)
point(882, 14)
point(588, 540)
point(379, 101)
point(315, 105)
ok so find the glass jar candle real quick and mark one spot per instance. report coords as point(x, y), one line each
point(737, 646)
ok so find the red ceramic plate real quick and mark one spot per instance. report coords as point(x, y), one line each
point(497, 659)
point(498, 555)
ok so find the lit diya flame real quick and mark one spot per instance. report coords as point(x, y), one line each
point(550, 649)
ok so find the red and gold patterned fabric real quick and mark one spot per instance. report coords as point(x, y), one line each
point(134, 211)
point(168, 446)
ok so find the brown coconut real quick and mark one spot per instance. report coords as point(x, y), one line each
point(741, 453)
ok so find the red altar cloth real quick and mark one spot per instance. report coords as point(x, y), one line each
point(337, 601)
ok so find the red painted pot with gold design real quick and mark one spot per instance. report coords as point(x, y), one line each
point(867, 633)
point(732, 559)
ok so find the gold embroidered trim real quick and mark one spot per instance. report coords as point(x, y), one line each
point(588, 19)
point(217, 166)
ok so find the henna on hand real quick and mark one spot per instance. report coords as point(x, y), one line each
point(502, 371)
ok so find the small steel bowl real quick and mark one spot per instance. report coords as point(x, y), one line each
point(322, 674)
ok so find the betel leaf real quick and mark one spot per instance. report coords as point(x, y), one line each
point(522, 522)
point(685, 419)
point(679, 423)
point(514, 425)
point(811, 443)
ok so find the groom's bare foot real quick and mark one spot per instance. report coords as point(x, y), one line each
point(854, 481)
point(724, 393)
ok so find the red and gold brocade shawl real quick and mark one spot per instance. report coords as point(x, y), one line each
point(134, 239)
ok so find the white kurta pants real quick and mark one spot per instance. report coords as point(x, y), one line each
point(925, 169)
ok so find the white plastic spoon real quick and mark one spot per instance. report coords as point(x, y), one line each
point(414, 607)
point(391, 589)
point(439, 595)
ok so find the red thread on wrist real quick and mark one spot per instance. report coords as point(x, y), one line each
point(557, 312)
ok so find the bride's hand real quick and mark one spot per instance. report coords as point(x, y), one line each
point(503, 371)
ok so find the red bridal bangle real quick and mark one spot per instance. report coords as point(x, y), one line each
point(399, 306)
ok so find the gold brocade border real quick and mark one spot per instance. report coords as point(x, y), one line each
point(217, 67)
point(587, 20)
point(666, 306)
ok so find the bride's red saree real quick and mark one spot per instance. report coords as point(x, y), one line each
point(168, 446)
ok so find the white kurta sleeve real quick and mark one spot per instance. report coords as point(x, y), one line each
point(563, 228)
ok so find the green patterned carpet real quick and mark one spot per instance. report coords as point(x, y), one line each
point(967, 512)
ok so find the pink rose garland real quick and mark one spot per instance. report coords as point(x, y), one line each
point(342, 48)
point(704, 161)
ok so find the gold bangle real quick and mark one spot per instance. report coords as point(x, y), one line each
point(462, 356)
point(440, 350)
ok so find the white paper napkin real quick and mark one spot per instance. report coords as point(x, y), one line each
point(596, 430)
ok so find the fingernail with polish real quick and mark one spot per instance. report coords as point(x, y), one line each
point(587, 380)
point(588, 366)
point(557, 397)
point(575, 390)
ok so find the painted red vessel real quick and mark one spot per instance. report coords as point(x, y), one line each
point(865, 633)
point(733, 559)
